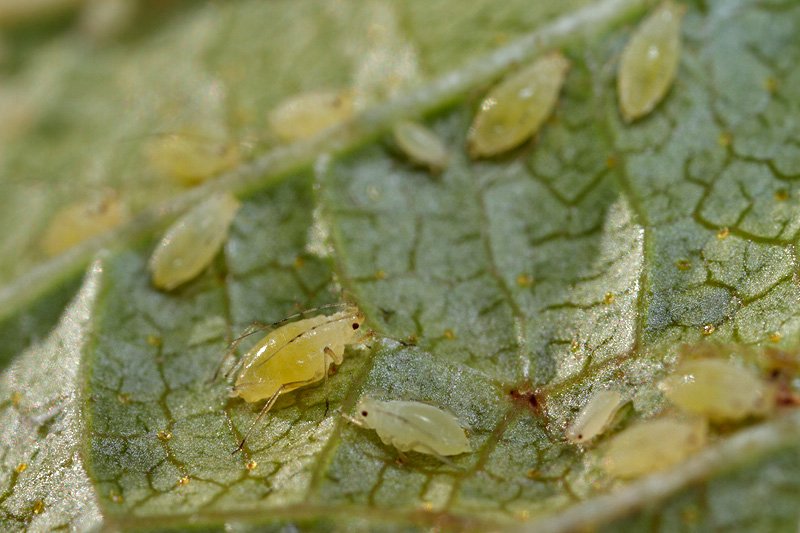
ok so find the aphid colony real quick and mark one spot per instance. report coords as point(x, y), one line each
point(705, 389)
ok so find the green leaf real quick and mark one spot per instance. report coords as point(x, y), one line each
point(503, 290)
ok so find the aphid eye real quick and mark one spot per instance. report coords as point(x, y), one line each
point(364, 413)
point(355, 325)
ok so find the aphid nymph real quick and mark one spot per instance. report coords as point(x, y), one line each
point(413, 426)
point(595, 416)
point(293, 355)
point(191, 243)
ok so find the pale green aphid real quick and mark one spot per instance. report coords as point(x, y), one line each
point(305, 115)
point(653, 445)
point(413, 426)
point(421, 145)
point(718, 390)
point(650, 61)
point(190, 244)
point(517, 107)
point(595, 416)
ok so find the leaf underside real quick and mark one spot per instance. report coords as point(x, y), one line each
point(583, 259)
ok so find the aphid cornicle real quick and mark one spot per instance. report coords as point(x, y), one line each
point(650, 61)
point(594, 418)
point(294, 355)
point(413, 426)
point(191, 243)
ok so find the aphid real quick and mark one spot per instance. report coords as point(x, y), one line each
point(190, 159)
point(190, 244)
point(516, 108)
point(421, 145)
point(413, 426)
point(305, 115)
point(294, 355)
point(718, 390)
point(595, 416)
point(80, 221)
point(650, 61)
point(653, 445)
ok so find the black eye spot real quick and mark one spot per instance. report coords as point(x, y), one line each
point(355, 325)
point(364, 413)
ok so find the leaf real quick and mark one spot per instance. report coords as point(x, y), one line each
point(583, 259)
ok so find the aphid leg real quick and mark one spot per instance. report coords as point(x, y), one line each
point(431, 451)
point(352, 420)
point(264, 410)
point(328, 359)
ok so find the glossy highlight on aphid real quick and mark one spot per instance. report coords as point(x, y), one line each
point(293, 355)
point(516, 108)
point(650, 61)
point(595, 416)
point(413, 426)
point(421, 145)
point(191, 243)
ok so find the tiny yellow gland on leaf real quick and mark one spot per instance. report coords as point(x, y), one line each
point(191, 243)
point(190, 159)
point(650, 61)
point(653, 445)
point(305, 115)
point(719, 390)
point(516, 108)
point(81, 221)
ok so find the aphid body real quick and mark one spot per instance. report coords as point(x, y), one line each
point(305, 115)
point(718, 390)
point(413, 426)
point(653, 445)
point(421, 145)
point(595, 416)
point(191, 243)
point(190, 159)
point(296, 354)
point(515, 109)
point(649, 61)
point(81, 221)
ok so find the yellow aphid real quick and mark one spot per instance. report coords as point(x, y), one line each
point(413, 426)
point(80, 221)
point(190, 244)
point(595, 416)
point(190, 159)
point(650, 61)
point(294, 355)
point(305, 115)
point(421, 145)
point(515, 109)
point(652, 446)
point(718, 390)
